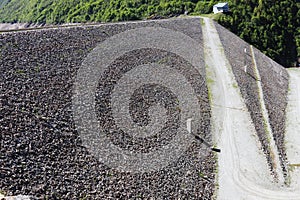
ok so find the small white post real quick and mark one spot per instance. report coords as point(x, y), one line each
point(189, 125)
point(245, 61)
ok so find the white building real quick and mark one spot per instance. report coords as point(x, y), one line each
point(221, 7)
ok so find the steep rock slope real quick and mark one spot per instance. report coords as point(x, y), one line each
point(275, 82)
point(42, 152)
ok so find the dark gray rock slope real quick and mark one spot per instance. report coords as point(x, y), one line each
point(41, 152)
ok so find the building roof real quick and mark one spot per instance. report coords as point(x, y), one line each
point(221, 4)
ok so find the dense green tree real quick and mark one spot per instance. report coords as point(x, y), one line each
point(3, 3)
point(297, 34)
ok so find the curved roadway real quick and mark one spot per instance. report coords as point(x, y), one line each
point(242, 167)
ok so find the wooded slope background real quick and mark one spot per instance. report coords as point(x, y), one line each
point(271, 26)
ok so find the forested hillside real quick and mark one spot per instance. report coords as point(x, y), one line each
point(271, 26)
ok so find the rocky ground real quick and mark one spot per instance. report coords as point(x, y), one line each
point(275, 84)
point(5, 27)
point(8, 26)
point(41, 152)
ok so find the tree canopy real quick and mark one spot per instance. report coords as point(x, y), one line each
point(271, 26)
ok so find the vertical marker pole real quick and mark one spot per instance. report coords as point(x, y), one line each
point(189, 125)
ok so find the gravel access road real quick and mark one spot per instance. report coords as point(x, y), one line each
point(243, 171)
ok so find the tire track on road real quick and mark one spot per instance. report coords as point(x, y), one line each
point(243, 172)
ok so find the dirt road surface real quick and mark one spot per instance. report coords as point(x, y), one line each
point(242, 168)
point(293, 129)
